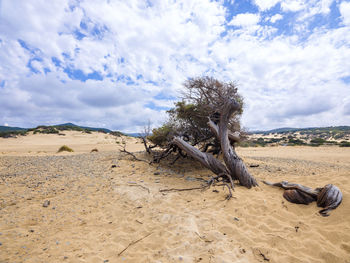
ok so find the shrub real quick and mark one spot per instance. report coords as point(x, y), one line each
point(294, 141)
point(116, 133)
point(65, 148)
point(160, 136)
point(12, 134)
point(344, 144)
point(202, 98)
point(318, 140)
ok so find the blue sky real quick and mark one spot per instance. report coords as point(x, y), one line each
point(118, 64)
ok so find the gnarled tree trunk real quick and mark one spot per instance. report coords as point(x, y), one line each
point(234, 167)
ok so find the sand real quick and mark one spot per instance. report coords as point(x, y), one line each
point(102, 214)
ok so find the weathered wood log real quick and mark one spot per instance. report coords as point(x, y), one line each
point(298, 197)
point(291, 186)
point(234, 164)
point(328, 196)
point(206, 159)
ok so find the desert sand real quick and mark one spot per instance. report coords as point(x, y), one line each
point(106, 207)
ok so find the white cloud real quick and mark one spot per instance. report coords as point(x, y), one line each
point(245, 20)
point(293, 5)
point(344, 9)
point(275, 18)
point(290, 83)
point(266, 4)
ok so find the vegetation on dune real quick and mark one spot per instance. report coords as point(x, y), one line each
point(309, 137)
point(344, 144)
point(12, 134)
point(65, 148)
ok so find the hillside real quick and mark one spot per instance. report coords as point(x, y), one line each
point(337, 135)
point(7, 132)
point(7, 129)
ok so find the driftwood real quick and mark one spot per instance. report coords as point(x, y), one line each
point(328, 196)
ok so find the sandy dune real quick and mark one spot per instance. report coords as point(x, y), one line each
point(44, 144)
point(102, 214)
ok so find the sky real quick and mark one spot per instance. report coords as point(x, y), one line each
point(119, 64)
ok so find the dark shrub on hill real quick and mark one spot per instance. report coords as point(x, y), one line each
point(344, 144)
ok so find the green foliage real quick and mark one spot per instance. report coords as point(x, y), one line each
point(65, 148)
point(293, 141)
point(117, 133)
point(46, 130)
point(317, 141)
point(203, 98)
point(160, 136)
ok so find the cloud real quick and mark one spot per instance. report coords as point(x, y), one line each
point(266, 4)
point(245, 20)
point(116, 64)
point(275, 18)
point(292, 5)
point(344, 9)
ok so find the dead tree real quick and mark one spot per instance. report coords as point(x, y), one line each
point(328, 196)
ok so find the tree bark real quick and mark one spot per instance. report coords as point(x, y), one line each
point(206, 159)
point(232, 136)
point(234, 164)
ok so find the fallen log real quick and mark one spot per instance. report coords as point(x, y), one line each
point(329, 197)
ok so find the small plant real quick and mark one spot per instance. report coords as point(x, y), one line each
point(65, 148)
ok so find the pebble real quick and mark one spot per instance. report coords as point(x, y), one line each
point(46, 203)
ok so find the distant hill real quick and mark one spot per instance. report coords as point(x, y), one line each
point(306, 130)
point(82, 127)
point(9, 129)
point(7, 132)
point(135, 134)
point(316, 136)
